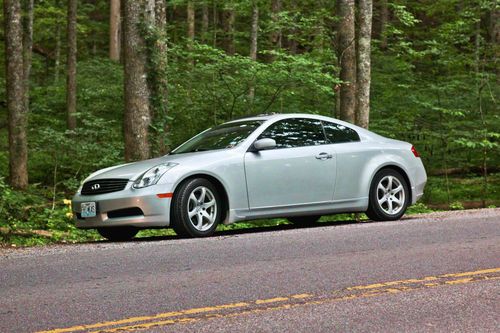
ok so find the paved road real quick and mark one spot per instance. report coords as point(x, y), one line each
point(436, 272)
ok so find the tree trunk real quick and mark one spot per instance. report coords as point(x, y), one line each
point(363, 72)
point(215, 15)
point(57, 57)
point(137, 117)
point(228, 21)
point(275, 36)
point(114, 30)
point(161, 80)
point(479, 88)
point(494, 25)
point(347, 58)
point(161, 15)
point(71, 66)
point(336, 111)
point(150, 13)
point(336, 42)
point(204, 22)
point(253, 47)
point(190, 21)
point(28, 50)
point(495, 38)
point(291, 40)
point(18, 146)
point(384, 16)
point(191, 30)
point(255, 31)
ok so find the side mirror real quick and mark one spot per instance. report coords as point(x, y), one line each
point(264, 144)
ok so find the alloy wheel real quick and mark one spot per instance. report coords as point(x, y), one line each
point(390, 195)
point(202, 208)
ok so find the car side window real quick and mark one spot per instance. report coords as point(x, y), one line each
point(296, 132)
point(337, 133)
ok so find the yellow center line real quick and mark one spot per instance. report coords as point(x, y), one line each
point(300, 296)
point(459, 281)
point(393, 283)
point(425, 279)
point(482, 271)
point(271, 300)
point(372, 293)
point(146, 318)
point(239, 308)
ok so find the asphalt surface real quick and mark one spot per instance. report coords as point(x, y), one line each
point(432, 273)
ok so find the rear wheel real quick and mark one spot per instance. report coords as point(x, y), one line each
point(389, 196)
point(196, 209)
point(118, 234)
point(304, 220)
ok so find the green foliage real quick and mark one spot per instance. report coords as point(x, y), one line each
point(63, 158)
point(449, 110)
point(418, 208)
point(35, 217)
point(456, 205)
point(435, 85)
point(217, 86)
point(465, 189)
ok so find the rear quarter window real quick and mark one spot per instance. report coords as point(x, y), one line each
point(336, 133)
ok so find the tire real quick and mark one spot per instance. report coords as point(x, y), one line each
point(304, 220)
point(389, 196)
point(118, 234)
point(196, 208)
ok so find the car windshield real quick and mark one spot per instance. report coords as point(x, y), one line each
point(220, 137)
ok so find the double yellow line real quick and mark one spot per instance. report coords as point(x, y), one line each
point(277, 303)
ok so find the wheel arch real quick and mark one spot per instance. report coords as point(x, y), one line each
point(218, 185)
point(398, 169)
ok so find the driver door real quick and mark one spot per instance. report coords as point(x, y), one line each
point(301, 170)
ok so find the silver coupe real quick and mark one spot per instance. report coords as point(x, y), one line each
point(296, 166)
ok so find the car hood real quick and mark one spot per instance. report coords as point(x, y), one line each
point(134, 170)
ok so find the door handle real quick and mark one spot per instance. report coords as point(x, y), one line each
point(324, 156)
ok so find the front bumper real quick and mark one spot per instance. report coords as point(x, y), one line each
point(124, 208)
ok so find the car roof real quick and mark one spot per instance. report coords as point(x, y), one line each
point(264, 116)
point(278, 116)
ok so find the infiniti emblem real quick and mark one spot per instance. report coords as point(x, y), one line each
point(95, 187)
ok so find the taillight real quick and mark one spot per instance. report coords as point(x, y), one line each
point(414, 151)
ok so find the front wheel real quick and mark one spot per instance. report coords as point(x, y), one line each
point(118, 234)
point(197, 208)
point(389, 196)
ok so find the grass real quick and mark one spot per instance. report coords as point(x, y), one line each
point(32, 219)
point(465, 191)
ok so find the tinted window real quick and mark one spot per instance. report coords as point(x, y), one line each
point(224, 136)
point(337, 133)
point(291, 133)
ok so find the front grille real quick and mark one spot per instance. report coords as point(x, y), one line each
point(101, 186)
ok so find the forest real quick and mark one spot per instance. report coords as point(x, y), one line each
point(92, 83)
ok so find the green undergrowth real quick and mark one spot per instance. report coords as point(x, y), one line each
point(462, 191)
point(39, 217)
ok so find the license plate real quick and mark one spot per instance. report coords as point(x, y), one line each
point(88, 209)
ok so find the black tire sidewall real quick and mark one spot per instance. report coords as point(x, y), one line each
point(375, 212)
point(181, 223)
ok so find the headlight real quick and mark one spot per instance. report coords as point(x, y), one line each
point(152, 176)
